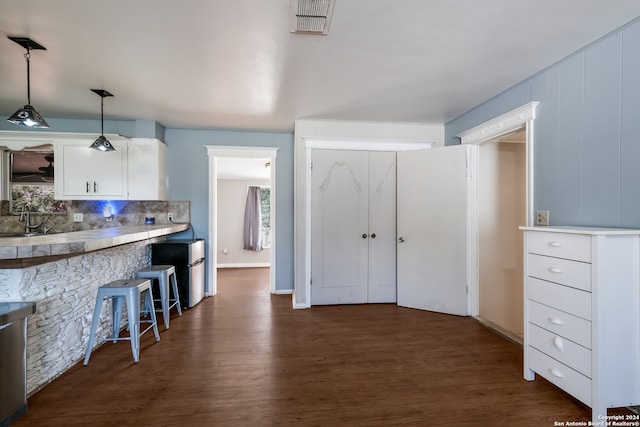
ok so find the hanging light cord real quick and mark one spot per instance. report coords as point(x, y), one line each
point(27, 56)
point(102, 114)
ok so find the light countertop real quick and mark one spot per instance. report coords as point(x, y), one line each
point(18, 252)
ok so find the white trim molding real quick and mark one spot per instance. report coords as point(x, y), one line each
point(364, 144)
point(520, 118)
point(500, 125)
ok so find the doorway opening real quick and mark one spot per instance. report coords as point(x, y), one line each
point(516, 126)
point(232, 170)
point(501, 210)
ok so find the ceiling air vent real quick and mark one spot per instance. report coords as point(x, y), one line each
point(311, 16)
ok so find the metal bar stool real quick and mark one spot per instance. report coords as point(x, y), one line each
point(118, 291)
point(165, 275)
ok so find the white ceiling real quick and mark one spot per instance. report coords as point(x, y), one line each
point(234, 63)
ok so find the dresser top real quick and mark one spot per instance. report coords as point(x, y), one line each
point(593, 231)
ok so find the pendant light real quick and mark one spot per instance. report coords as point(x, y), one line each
point(28, 116)
point(102, 143)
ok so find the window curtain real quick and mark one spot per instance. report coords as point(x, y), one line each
point(252, 221)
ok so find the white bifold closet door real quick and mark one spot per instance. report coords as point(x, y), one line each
point(353, 227)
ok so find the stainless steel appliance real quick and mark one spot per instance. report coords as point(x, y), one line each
point(13, 359)
point(187, 256)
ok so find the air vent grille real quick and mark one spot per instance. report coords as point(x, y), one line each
point(311, 16)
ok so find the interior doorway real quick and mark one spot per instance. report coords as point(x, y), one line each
point(501, 210)
point(236, 179)
point(218, 156)
point(516, 127)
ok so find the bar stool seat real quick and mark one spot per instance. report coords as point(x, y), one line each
point(166, 276)
point(119, 291)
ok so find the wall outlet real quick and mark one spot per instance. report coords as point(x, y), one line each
point(542, 217)
point(78, 217)
point(170, 216)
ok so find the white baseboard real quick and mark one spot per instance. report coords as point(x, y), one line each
point(245, 265)
point(283, 292)
point(500, 330)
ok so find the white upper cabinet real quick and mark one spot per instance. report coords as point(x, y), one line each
point(147, 164)
point(83, 173)
point(136, 170)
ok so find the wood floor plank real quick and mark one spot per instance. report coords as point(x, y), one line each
point(246, 358)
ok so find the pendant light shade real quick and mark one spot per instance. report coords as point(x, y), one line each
point(102, 143)
point(27, 116)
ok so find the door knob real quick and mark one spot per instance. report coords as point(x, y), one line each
point(373, 236)
point(364, 236)
point(401, 239)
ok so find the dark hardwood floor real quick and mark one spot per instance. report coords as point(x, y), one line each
point(246, 358)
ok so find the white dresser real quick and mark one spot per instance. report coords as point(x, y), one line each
point(582, 313)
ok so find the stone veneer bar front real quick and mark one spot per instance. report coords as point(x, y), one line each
point(61, 274)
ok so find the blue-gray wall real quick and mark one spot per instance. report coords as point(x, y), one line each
point(587, 132)
point(188, 168)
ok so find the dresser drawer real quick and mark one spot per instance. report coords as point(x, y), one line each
point(563, 350)
point(561, 375)
point(571, 246)
point(566, 272)
point(564, 324)
point(564, 298)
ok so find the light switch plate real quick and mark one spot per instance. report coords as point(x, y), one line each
point(78, 217)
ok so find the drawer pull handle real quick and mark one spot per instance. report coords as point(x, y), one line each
point(555, 244)
point(556, 373)
point(557, 342)
point(556, 321)
point(555, 270)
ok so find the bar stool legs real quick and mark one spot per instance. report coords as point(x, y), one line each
point(166, 276)
point(119, 291)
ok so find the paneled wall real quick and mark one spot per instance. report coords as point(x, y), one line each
point(587, 132)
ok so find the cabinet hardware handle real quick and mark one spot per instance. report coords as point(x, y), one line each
point(364, 236)
point(87, 186)
point(401, 239)
point(556, 373)
point(555, 244)
point(557, 342)
point(95, 187)
point(555, 270)
point(373, 236)
point(556, 321)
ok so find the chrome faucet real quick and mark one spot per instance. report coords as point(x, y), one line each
point(25, 216)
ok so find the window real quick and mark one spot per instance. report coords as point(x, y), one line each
point(265, 205)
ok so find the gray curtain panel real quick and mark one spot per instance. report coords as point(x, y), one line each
point(253, 221)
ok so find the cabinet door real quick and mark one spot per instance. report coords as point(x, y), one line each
point(147, 172)
point(91, 174)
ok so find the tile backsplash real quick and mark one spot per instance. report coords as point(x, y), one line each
point(123, 213)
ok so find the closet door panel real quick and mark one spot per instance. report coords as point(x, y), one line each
point(339, 227)
point(433, 188)
point(382, 225)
